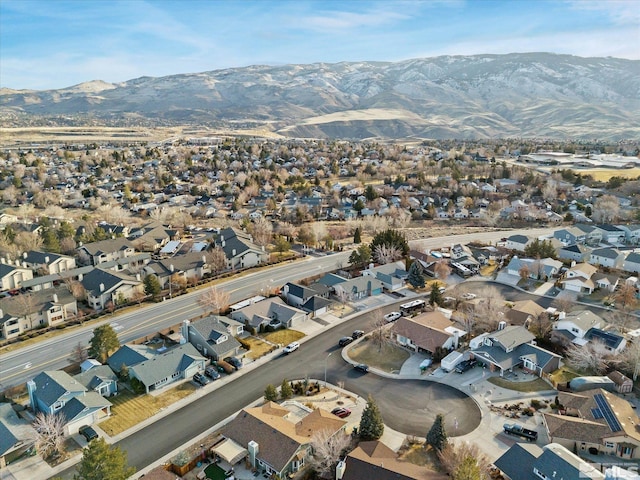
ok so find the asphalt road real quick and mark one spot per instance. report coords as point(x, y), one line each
point(22, 364)
point(408, 406)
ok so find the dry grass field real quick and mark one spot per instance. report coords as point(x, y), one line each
point(130, 409)
point(388, 358)
point(604, 174)
point(283, 337)
point(537, 385)
point(258, 348)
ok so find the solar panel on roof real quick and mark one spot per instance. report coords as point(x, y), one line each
point(596, 413)
point(608, 414)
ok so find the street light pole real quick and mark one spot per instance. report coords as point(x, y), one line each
point(325, 369)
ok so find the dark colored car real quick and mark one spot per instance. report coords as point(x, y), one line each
point(87, 432)
point(235, 362)
point(345, 341)
point(465, 365)
point(357, 334)
point(212, 372)
point(200, 379)
point(361, 367)
point(341, 412)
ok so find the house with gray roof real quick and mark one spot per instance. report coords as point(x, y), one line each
point(296, 294)
point(212, 338)
point(610, 340)
point(128, 356)
point(168, 366)
point(272, 312)
point(95, 253)
point(511, 347)
point(98, 378)
point(152, 236)
point(57, 392)
point(531, 462)
point(517, 242)
point(16, 435)
point(33, 310)
point(573, 327)
point(611, 233)
point(606, 257)
point(392, 275)
point(575, 252)
point(48, 262)
point(12, 275)
point(108, 287)
point(189, 266)
point(359, 287)
point(632, 263)
point(570, 235)
point(543, 268)
point(240, 250)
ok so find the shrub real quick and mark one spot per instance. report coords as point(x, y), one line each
point(137, 386)
point(535, 403)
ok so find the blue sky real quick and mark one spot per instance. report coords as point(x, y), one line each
point(55, 44)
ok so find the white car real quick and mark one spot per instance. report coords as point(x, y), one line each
point(292, 347)
point(392, 316)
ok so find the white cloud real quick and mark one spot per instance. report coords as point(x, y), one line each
point(337, 20)
point(621, 12)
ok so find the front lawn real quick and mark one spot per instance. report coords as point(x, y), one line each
point(563, 375)
point(257, 347)
point(129, 409)
point(283, 337)
point(536, 385)
point(389, 357)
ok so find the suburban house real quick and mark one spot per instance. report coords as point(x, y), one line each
point(98, 378)
point(595, 419)
point(212, 338)
point(392, 275)
point(427, 332)
point(272, 312)
point(357, 288)
point(573, 327)
point(609, 340)
point(374, 460)
point(156, 368)
point(523, 313)
point(574, 252)
point(16, 435)
point(95, 253)
point(57, 392)
point(525, 461)
point(191, 267)
point(606, 257)
point(605, 281)
point(611, 233)
point(542, 269)
point(623, 383)
point(632, 263)
point(632, 233)
point(29, 311)
point(297, 295)
point(47, 263)
point(277, 440)
point(107, 287)
point(570, 235)
point(12, 276)
point(511, 347)
point(578, 278)
point(517, 242)
point(240, 250)
point(152, 237)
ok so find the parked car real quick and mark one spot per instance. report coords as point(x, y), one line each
point(357, 334)
point(361, 367)
point(344, 341)
point(88, 432)
point(469, 296)
point(292, 347)
point(341, 412)
point(212, 372)
point(465, 365)
point(234, 362)
point(200, 379)
point(392, 316)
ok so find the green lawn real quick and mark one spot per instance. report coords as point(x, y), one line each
point(214, 472)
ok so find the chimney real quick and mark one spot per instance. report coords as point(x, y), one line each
point(253, 449)
point(102, 287)
point(184, 331)
point(233, 252)
point(340, 469)
point(2, 259)
point(46, 259)
point(55, 298)
point(222, 243)
point(24, 255)
point(502, 325)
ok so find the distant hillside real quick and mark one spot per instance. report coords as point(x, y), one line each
point(528, 95)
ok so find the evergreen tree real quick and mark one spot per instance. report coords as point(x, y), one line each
point(415, 278)
point(371, 424)
point(270, 393)
point(101, 461)
point(151, 285)
point(50, 240)
point(286, 392)
point(361, 256)
point(435, 297)
point(281, 244)
point(437, 437)
point(357, 236)
point(391, 238)
point(359, 206)
point(103, 343)
point(468, 470)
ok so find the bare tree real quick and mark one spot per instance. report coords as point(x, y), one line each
point(214, 300)
point(524, 272)
point(541, 326)
point(49, 434)
point(564, 303)
point(217, 260)
point(452, 456)
point(343, 295)
point(262, 231)
point(442, 269)
point(384, 254)
point(26, 241)
point(490, 307)
point(79, 353)
point(626, 300)
point(327, 449)
point(75, 288)
point(630, 360)
point(606, 209)
point(591, 358)
point(379, 331)
point(68, 246)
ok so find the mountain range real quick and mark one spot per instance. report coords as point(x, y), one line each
point(538, 95)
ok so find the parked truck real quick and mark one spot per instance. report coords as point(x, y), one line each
point(520, 431)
